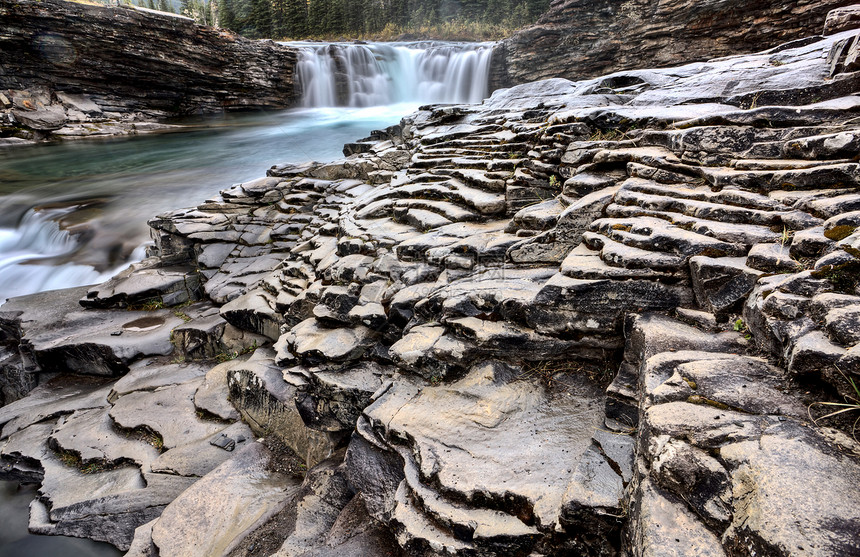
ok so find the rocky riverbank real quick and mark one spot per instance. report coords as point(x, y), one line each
point(578, 39)
point(592, 318)
point(72, 70)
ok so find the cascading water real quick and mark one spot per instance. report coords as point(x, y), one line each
point(349, 89)
point(39, 239)
point(362, 75)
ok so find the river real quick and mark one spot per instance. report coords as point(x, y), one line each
point(75, 213)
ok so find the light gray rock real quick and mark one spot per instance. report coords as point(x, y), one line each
point(91, 435)
point(212, 395)
point(198, 458)
point(148, 375)
point(221, 509)
point(140, 285)
point(312, 341)
point(810, 505)
point(81, 103)
point(178, 427)
point(458, 433)
point(662, 526)
point(61, 395)
point(772, 258)
point(64, 337)
point(45, 118)
point(141, 545)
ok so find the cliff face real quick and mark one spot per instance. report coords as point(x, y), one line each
point(579, 39)
point(129, 59)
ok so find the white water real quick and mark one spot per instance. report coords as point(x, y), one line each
point(376, 74)
point(37, 239)
point(349, 90)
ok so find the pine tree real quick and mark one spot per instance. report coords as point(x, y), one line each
point(317, 10)
point(280, 17)
point(259, 23)
point(226, 15)
point(297, 18)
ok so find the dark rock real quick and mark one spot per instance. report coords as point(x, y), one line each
point(375, 472)
point(74, 48)
point(577, 39)
point(842, 19)
point(260, 394)
point(721, 284)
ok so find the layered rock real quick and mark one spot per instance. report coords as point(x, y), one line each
point(567, 321)
point(74, 69)
point(578, 39)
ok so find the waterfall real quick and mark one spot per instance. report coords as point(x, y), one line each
point(361, 75)
point(26, 252)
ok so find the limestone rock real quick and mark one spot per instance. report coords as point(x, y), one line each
point(220, 510)
point(176, 428)
point(260, 394)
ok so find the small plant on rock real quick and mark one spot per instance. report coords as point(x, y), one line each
point(851, 404)
point(149, 305)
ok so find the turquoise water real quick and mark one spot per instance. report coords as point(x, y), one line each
point(74, 213)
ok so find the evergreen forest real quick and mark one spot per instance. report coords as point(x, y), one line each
point(298, 19)
point(350, 19)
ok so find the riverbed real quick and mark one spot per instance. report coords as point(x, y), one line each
point(75, 213)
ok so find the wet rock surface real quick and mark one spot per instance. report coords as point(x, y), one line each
point(564, 322)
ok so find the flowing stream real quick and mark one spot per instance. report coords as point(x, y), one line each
point(75, 213)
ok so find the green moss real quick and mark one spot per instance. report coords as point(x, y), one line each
point(840, 232)
point(844, 278)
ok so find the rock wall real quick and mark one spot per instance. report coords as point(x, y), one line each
point(578, 39)
point(127, 59)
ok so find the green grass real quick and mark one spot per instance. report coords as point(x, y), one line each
point(851, 404)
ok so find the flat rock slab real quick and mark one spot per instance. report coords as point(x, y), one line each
point(198, 458)
point(148, 375)
point(462, 434)
point(105, 506)
point(168, 411)
point(91, 435)
point(793, 490)
point(169, 285)
point(65, 337)
point(222, 508)
point(738, 382)
point(61, 395)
